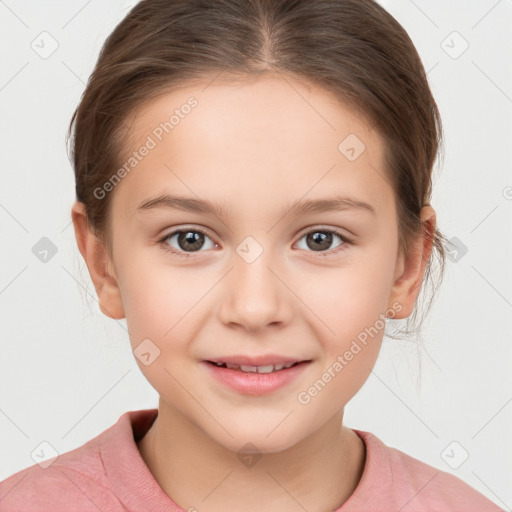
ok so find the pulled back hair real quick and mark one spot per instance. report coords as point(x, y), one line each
point(352, 48)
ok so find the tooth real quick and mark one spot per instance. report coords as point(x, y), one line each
point(249, 368)
point(255, 369)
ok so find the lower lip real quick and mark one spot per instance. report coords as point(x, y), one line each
point(252, 383)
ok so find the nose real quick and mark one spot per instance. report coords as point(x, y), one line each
point(254, 297)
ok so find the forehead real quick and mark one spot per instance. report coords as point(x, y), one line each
point(236, 141)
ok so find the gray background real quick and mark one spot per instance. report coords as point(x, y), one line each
point(67, 372)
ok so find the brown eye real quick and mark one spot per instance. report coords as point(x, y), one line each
point(319, 241)
point(187, 240)
point(322, 240)
point(190, 240)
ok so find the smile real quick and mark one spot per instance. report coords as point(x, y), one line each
point(255, 379)
point(254, 369)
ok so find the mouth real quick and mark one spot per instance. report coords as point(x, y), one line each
point(256, 375)
point(268, 368)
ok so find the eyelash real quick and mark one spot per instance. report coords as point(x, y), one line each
point(166, 247)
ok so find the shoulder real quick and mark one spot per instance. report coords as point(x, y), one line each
point(411, 484)
point(435, 488)
point(74, 480)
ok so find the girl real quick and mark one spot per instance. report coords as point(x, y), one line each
point(253, 183)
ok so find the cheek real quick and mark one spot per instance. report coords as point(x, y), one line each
point(341, 379)
point(158, 299)
point(167, 305)
point(351, 310)
point(350, 298)
point(351, 303)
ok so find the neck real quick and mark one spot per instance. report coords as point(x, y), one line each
point(317, 474)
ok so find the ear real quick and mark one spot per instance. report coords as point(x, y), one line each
point(98, 263)
point(410, 270)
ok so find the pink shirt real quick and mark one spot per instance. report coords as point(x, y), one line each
point(108, 474)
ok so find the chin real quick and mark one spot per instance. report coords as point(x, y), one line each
point(257, 441)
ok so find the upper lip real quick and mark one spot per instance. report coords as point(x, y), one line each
point(263, 360)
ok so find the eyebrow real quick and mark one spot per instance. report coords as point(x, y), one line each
point(297, 208)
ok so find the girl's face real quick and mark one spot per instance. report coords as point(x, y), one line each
point(256, 277)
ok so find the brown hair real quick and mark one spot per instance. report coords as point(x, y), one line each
point(353, 48)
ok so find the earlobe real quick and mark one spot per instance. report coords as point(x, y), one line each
point(407, 284)
point(98, 263)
